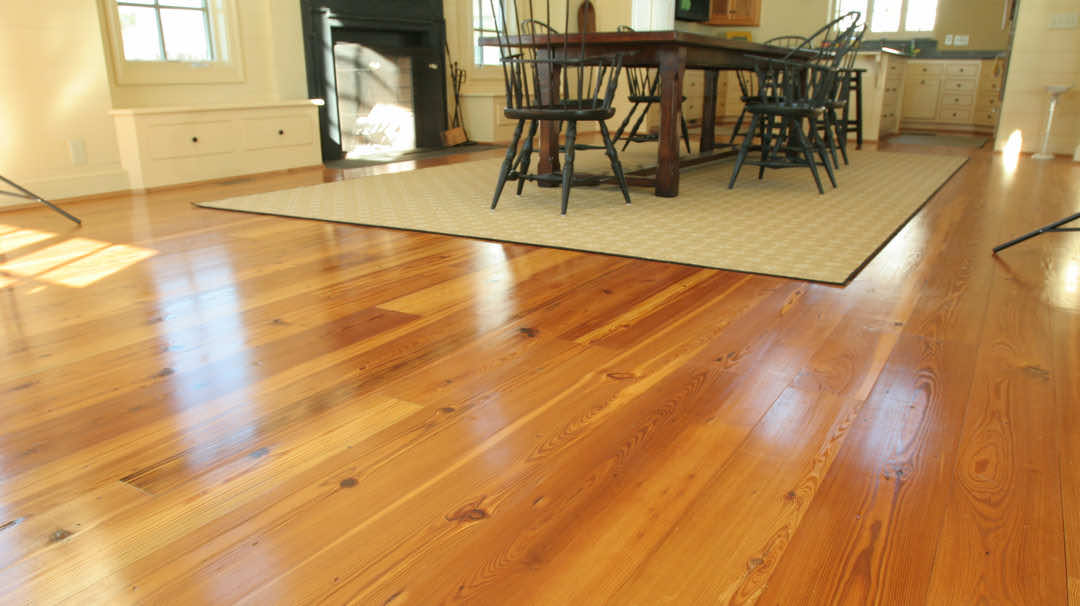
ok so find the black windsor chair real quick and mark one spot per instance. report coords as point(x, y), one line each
point(584, 88)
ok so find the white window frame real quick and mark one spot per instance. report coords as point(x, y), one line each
point(226, 65)
point(901, 29)
point(477, 30)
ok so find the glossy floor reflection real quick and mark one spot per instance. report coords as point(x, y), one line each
point(204, 407)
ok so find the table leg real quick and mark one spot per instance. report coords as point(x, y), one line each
point(708, 111)
point(672, 66)
point(549, 135)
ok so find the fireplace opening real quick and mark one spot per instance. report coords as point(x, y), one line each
point(376, 109)
point(379, 65)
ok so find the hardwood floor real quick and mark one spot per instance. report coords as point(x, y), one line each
point(203, 407)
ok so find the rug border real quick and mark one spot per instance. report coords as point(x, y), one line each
point(844, 282)
point(903, 223)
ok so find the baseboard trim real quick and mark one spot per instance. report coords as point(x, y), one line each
point(67, 187)
point(128, 191)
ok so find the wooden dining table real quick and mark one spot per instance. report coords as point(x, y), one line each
point(672, 53)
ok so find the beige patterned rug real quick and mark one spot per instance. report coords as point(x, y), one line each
point(778, 226)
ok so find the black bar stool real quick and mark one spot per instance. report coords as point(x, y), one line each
point(855, 75)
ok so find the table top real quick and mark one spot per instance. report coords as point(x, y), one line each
point(645, 41)
point(666, 37)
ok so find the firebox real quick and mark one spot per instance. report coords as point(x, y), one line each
point(379, 65)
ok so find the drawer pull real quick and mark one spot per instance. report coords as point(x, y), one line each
point(281, 132)
point(194, 139)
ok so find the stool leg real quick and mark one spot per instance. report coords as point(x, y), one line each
point(858, 110)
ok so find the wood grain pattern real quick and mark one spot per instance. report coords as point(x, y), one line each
point(265, 410)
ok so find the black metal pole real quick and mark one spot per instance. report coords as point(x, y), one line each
point(29, 195)
point(1055, 226)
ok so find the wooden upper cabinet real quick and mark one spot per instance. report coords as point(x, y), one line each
point(735, 12)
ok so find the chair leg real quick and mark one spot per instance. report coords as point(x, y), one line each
point(508, 163)
point(820, 147)
point(616, 166)
point(808, 153)
point(526, 155)
point(841, 134)
point(766, 142)
point(568, 165)
point(738, 125)
point(826, 124)
point(743, 150)
point(685, 133)
point(625, 122)
point(637, 125)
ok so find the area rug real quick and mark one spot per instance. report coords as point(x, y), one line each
point(779, 225)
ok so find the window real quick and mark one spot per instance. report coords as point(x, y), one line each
point(921, 15)
point(844, 7)
point(165, 30)
point(484, 23)
point(172, 41)
point(885, 16)
point(890, 15)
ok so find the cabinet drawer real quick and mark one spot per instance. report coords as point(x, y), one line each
point(990, 85)
point(192, 139)
point(983, 104)
point(953, 115)
point(894, 69)
point(961, 99)
point(924, 69)
point(985, 118)
point(959, 84)
point(277, 132)
point(962, 69)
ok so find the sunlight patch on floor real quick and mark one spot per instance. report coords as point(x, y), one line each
point(76, 262)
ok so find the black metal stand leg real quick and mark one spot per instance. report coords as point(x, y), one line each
point(1055, 226)
point(29, 195)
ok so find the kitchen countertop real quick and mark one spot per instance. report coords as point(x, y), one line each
point(927, 49)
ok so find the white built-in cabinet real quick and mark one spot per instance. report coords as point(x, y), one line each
point(170, 145)
point(947, 93)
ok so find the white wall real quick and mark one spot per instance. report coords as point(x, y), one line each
point(59, 87)
point(55, 90)
point(1042, 56)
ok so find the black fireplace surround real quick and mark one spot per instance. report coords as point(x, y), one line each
point(404, 27)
